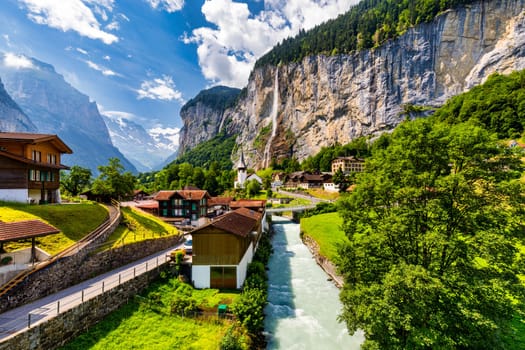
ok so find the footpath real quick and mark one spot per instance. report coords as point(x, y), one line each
point(18, 320)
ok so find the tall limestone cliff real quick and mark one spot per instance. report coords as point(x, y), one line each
point(295, 109)
point(203, 116)
point(12, 119)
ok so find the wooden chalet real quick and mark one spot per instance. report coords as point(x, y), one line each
point(30, 167)
point(183, 204)
point(223, 249)
point(252, 204)
point(306, 180)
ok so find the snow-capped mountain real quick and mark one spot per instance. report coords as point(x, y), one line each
point(147, 150)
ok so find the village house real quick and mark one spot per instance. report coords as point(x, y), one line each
point(223, 249)
point(30, 167)
point(258, 205)
point(183, 204)
point(348, 164)
point(306, 180)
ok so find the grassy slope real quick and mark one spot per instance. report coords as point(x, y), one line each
point(74, 221)
point(136, 326)
point(325, 229)
point(137, 226)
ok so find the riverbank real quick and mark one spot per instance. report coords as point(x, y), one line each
point(328, 267)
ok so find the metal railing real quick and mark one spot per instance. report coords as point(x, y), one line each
point(76, 298)
point(75, 248)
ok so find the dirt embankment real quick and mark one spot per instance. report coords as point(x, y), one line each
point(322, 261)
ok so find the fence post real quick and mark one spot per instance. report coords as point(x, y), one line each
point(82, 295)
point(119, 279)
point(58, 307)
point(146, 266)
point(102, 286)
point(29, 320)
point(134, 269)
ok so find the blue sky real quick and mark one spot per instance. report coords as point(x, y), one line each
point(143, 59)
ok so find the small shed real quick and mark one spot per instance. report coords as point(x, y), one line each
point(16, 231)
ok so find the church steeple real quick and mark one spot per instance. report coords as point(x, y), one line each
point(241, 172)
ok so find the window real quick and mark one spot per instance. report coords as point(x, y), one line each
point(34, 175)
point(164, 212)
point(51, 158)
point(36, 156)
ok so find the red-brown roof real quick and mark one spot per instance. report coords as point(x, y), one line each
point(233, 222)
point(186, 194)
point(248, 203)
point(219, 201)
point(164, 195)
point(148, 205)
point(13, 231)
point(249, 213)
point(36, 138)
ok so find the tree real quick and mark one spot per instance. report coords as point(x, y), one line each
point(253, 187)
point(76, 180)
point(432, 226)
point(340, 180)
point(112, 181)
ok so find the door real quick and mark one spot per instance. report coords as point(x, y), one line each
point(223, 277)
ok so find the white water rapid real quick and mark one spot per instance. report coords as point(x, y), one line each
point(302, 304)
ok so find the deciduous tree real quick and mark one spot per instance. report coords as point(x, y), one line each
point(432, 226)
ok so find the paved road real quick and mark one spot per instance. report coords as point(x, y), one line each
point(313, 199)
point(17, 320)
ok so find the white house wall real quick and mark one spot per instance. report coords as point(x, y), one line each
point(200, 274)
point(14, 195)
point(242, 268)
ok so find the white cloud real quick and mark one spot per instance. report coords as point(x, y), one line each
point(160, 89)
point(167, 138)
point(228, 51)
point(72, 15)
point(107, 58)
point(15, 61)
point(103, 70)
point(82, 51)
point(168, 5)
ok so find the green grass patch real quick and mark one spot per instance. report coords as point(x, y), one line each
point(138, 226)
point(146, 322)
point(73, 220)
point(322, 194)
point(325, 229)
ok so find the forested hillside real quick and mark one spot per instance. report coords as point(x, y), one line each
point(499, 104)
point(368, 24)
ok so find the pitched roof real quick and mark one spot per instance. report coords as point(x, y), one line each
point(248, 203)
point(235, 222)
point(219, 201)
point(164, 195)
point(185, 194)
point(13, 231)
point(36, 138)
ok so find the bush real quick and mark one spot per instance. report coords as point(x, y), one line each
point(6, 260)
point(183, 305)
point(233, 340)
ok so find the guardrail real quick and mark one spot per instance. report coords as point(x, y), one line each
point(63, 304)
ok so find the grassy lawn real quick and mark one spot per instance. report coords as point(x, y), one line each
point(319, 193)
point(137, 325)
point(73, 220)
point(137, 226)
point(325, 230)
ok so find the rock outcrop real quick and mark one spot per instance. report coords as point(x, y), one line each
point(203, 116)
point(326, 100)
point(12, 118)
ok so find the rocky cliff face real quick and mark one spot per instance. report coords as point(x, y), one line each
point(295, 109)
point(203, 116)
point(12, 118)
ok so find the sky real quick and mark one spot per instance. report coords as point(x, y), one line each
point(144, 59)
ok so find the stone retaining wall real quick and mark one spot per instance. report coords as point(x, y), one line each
point(322, 261)
point(74, 269)
point(59, 330)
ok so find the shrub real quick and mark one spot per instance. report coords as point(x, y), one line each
point(183, 305)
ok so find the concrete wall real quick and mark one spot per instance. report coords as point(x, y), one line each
point(14, 195)
point(201, 276)
point(66, 326)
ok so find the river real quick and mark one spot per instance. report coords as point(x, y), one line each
point(302, 304)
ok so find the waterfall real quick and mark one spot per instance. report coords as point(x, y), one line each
point(267, 156)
